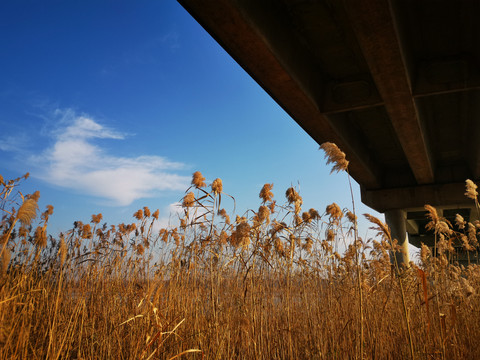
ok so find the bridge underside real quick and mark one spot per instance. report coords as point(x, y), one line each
point(395, 84)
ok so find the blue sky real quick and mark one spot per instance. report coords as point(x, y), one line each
point(112, 105)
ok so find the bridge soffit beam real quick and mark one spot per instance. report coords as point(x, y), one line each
point(446, 76)
point(473, 150)
point(374, 28)
point(280, 42)
point(236, 26)
point(444, 195)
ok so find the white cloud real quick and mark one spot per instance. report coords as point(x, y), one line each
point(86, 128)
point(15, 143)
point(171, 215)
point(76, 162)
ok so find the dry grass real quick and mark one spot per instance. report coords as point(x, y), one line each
point(273, 284)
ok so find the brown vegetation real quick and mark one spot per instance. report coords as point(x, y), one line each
point(273, 284)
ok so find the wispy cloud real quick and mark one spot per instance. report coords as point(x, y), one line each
point(15, 143)
point(76, 161)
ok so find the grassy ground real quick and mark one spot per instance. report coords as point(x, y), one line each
point(272, 284)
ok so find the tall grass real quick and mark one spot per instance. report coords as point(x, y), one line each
point(273, 283)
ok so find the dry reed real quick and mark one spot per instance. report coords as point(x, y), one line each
point(270, 285)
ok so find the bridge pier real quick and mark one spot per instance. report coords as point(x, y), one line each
point(396, 221)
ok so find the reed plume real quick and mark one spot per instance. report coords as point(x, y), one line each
point(35, 196)
point(223, 213)
point(263, 214)
point(138, 214)
point(314, 215)
point(266, 193)
point(306, 217)
point(335, 213)
point(243, 234)
point(381, 227)
point(249, 290)
point(217, 186)
point(460, 221)
point(351, 217)
point(334, 156)
point(40, 237)
point(471, 189)
point(28, 211)
point(188, 200)
point(146, 212)
point(62, 250)
point(198, 180)
point(432, 215)
point(5, 261)
point(97, 218)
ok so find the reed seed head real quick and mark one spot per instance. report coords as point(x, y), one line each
point(266, 193)
point(86, 231)
point(314, 215)
point(330, 235)
point(306, 217)
point(471, 189)
point(240, 219)
point(433, 216)
point(23, 232)
point(217, 186)
point(163, 234)
point(243, 234)
point(233, 240)
point(138, 214)
point(278, 244)
point(27, 212)
point(472, 235)
point(5, 261)
point(146, 211)
point(308, 245)
point(198, 180)
point(49, 210)
point(183, 224)
point(263, 214)
point(335, 213)
point(292, 195)
point(351, 217)
point(40, 237)
point(223, 237)
point(460, 221)
point(188, 200)
point(334, 156)
point(97, 218)
point(35, 196)
point(223, 213)
point(442, 227)
point(140, 249)
point(465, 243)
point(382, 228)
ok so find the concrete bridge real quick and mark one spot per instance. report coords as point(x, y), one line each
point(394, 83)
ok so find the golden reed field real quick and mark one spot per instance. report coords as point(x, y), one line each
point(278, 282)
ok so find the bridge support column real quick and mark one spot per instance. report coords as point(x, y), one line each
point(396, 221)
